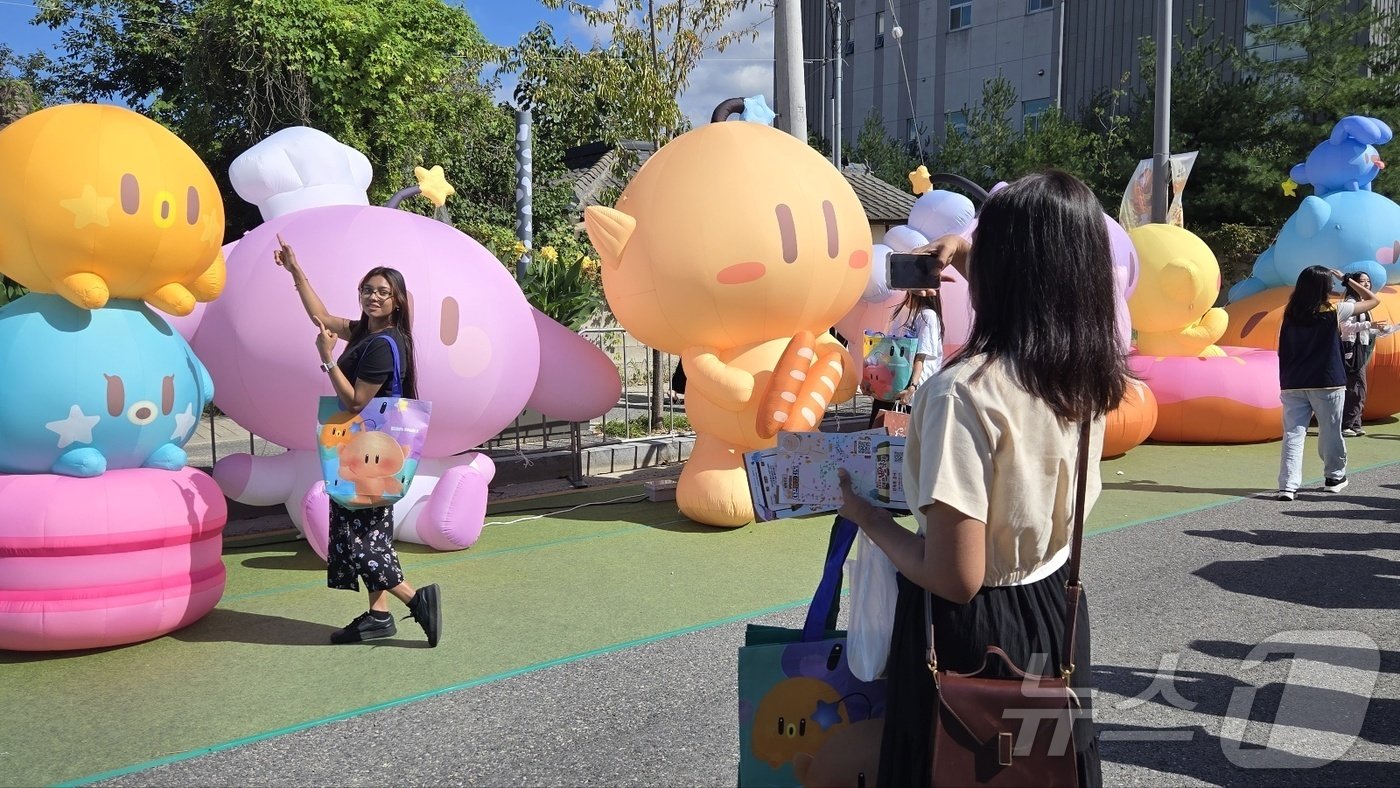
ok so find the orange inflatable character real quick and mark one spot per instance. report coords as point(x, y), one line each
point(733, 243)
point(99, 202)
point(370, 461)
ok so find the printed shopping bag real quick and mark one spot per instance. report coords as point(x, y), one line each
point(889, 363)
point(369, 458)
point(803, 718)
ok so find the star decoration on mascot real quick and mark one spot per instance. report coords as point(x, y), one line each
point(920, 180)
point(433, 184)
point(88, 208)
point(1290, 188)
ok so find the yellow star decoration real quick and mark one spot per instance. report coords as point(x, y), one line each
point(919, 180)
point(433, 184)
point(88, 208)
point(402, 405)
point(1290, 188)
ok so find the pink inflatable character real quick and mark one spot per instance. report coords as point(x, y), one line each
point(482, 352)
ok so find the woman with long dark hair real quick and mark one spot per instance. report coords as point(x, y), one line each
point(1312, 380)
point(379, 345)
point(990, 464)
point(1359, 335)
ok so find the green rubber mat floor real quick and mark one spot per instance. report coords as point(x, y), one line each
point(530, 594)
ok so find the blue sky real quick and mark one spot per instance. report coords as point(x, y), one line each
point(743, 70)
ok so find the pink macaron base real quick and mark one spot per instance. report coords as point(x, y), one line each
point(119, 558)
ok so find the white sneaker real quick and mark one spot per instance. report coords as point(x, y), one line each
point(1285, 495)
point(1349, 433)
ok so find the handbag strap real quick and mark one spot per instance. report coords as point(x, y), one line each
point(821, 614)
point(1073, 589)
point(396, 387)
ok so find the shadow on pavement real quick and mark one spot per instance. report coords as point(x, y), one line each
point(234, 626)
point(1334, 581)
point(1308, 540)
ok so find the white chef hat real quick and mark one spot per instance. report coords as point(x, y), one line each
point(298, 168)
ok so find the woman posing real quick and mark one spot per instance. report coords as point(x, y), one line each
point(1312, 381)
point(379, 346)
point(990, 462)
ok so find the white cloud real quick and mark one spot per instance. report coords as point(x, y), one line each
point(742, 70)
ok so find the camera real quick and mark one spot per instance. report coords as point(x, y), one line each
point(912, 271)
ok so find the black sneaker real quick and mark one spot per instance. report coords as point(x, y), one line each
point(1334, 485)
point(425, 608)
point(1285, 495)
point(365, 627)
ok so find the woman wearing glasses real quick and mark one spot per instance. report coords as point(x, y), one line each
point(361, 540)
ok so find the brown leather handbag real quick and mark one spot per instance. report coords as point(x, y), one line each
point(994, 731)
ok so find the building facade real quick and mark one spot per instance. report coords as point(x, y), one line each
point(1053, 52)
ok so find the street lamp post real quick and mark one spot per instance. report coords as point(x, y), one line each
point(524, 182)
point(1162, 115)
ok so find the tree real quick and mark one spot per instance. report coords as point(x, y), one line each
point(887, 158)
point(397, 79)
point(639, 75)
point(1336, 59)
point(1226, 112)
point(21, 91)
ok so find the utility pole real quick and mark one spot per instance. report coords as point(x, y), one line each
point(1162, 115)
point(789, 83)
point(838, 56)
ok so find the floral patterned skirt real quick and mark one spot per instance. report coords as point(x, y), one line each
point(362, 546)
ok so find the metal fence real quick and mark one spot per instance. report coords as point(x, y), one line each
point(534, 434)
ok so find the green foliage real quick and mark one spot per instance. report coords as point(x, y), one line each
point(888, 159)
point(396, 79)
point(10, 290)
point(1236, 247)
point(628, 88)
point(565, 288)
point(640, 426)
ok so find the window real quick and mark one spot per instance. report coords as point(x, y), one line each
point(958, 120)
point(1039, 5)
point(1031, 112)
point(1263, 14)
point(911, 130)
point(959, 14)
point(879, 22)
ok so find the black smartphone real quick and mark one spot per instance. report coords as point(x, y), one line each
point(912, 271)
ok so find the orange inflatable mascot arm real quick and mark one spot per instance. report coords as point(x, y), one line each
point(727, 386)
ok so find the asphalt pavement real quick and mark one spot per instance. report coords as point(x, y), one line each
point(1251, 643)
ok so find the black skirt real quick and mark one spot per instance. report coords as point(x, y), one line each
point(1027, 622)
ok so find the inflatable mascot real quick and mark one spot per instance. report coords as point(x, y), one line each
point(106, 537)
point(482, 352)
point(733, 242)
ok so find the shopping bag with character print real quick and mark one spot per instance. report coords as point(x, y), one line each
point(368, 458)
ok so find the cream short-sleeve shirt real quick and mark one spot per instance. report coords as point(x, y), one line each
point(983, 445)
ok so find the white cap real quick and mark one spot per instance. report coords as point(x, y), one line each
point(299, 168)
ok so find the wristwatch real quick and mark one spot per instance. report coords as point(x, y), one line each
point(327, 366)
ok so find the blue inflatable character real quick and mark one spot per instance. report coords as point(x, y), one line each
point(1346, 161)
point(88, 391)
point(1347, 230)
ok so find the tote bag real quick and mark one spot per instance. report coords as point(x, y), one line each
point(804, 719)
point(368, 458)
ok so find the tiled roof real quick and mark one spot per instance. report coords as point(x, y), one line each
point(883, 203)
point(591, 169)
